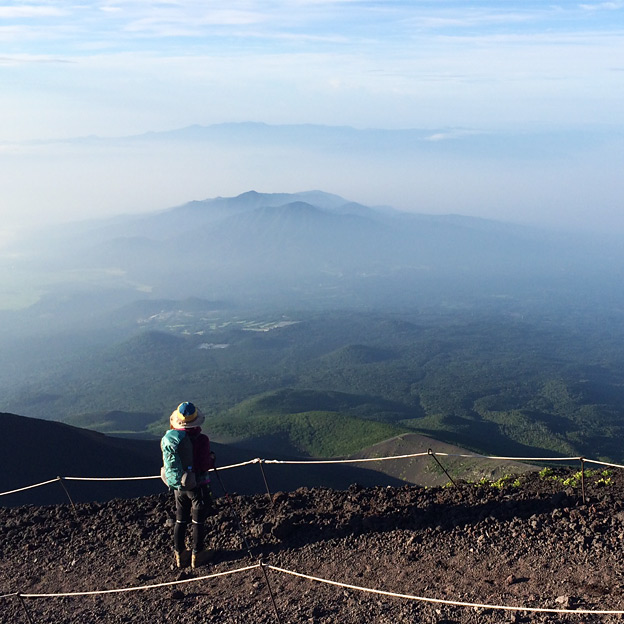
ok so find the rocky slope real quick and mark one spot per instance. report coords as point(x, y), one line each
point(532, 542)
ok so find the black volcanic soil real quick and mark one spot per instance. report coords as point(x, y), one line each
point(537, 545)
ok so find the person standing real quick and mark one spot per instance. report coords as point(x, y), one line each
point(187, 458)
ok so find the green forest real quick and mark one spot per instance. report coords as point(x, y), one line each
point(331, 383)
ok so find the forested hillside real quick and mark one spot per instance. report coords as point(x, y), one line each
point(329, 384)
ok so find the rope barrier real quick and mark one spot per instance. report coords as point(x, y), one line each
point(317, 579)
point(536, 459)
point(455, 603)
point(260, 461)
point(247, 463)
point(252, 461)
point(601, 463)
point(109, 478)
point(138, 588)
point(36, 485)
point(339, 461)
point(424, 454)
point(26, 611)
point(60, 480)
point(29, 487)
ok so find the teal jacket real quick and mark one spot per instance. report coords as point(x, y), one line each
point(202, 460)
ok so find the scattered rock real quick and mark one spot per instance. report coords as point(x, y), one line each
point(564, 601)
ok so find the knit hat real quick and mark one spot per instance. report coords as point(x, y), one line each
point(186, 416)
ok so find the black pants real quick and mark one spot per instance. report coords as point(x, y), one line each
point(192, 506)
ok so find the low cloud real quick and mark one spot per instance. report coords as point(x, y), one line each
point(452, 135)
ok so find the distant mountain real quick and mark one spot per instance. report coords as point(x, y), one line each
point(316, 230)
point(405, 141)
point(308, 425)
point(307, 250)
point(310, 246)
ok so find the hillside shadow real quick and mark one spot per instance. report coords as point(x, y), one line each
point(471, 435)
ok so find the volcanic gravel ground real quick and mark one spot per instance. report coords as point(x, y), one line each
point(536, 544)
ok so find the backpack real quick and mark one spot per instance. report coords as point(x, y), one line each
point(184, 453)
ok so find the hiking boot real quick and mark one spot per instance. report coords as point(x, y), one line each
point(201, 557)
point(183, 559)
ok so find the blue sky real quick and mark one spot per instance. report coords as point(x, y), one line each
point(123, 67)
point(119, 67)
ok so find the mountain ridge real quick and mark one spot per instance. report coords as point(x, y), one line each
point(239, 247)
point(281, 234)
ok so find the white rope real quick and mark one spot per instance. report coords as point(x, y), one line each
point(373, 459)
point(141, 587)
point(593, 461)
point(541, 459)
point(380, 592)
point(442, 601)
point(8, 595)
point(109, 478)
point(317, 579)
point(28, 487)
point(252, 461)
point(257, 460)
point(339, 461)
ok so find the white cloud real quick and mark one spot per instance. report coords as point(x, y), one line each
point(181, 26)
point(30, 11)
point(24, 59)
point(469, 20)
point(602, 6)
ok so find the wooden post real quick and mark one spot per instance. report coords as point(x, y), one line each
point(266, 483)
point(583, 478)
point(30, 620)
point(430, 452)
point(266, 578)
point(60, 480)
